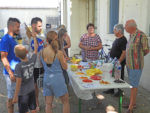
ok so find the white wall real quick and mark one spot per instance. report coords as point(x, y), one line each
point(135, 9)
point(145, 78)
point(29, 3)
point(25, 15)
point(78, 23)
point(128, 9)
point(103, 20)
point(81, 13)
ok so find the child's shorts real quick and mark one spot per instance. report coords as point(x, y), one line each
point(27, 102)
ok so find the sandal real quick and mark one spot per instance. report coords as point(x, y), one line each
point(129, 111)
point(53, 106)
point(38, 109)
point(127, 106)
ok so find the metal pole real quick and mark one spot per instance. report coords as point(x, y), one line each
point(120, 102)
point(80, 102)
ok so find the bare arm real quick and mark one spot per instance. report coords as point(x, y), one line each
point(97, 48)
point(83, 47)
point(7, 65)
point(62, 60)
point(35, 43)
point(146, 52)
point(65, 55)
point(67, 39)
point(122, 57)
point(18, 85)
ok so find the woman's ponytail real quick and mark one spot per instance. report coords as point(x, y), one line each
point(55, 45)
point(52, 40)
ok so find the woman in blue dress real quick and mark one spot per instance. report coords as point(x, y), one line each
point(54, 83)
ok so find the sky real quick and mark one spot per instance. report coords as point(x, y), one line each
point(29, 3)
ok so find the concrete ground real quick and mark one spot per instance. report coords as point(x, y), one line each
point(91, 106)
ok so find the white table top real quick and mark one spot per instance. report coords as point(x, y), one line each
point(81, 88)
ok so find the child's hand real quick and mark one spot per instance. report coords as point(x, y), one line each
point(33, 35)
point(28, 33)
point(15, 99)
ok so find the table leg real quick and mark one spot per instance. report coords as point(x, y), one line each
point(80, 102)
point(120, 102)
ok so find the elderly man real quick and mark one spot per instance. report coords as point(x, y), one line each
point(118, 50)
point(137, 48)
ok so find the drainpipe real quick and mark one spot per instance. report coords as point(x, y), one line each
point(88, 10)
point(149, 30)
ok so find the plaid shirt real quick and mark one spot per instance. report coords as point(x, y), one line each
point(137, 44)
point(90, 42)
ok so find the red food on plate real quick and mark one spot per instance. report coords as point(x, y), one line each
point(80, 67)
point(95, 77)
point(87, 80)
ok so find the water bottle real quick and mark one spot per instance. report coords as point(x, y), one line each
point(114, 60)
point(117, 71)
point(114, 63)
point(110, 60)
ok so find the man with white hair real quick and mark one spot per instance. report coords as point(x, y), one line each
point(118, 50)
point(137, 48)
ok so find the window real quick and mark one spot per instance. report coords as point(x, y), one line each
point(114, 14)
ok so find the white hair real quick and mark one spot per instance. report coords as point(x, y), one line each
point(119, 27)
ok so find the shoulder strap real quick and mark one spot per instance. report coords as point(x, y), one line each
point(54, 57)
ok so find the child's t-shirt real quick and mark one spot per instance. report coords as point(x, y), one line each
point(24, 70)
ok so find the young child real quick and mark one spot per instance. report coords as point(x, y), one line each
point(25, 90)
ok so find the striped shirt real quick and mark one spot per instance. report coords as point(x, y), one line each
point(135, 50)
point(90, 42)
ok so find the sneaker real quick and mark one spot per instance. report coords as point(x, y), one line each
point(110, 91)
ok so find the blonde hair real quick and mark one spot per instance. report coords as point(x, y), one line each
point(61, 27)
point(20, 51)
point(52, 40)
